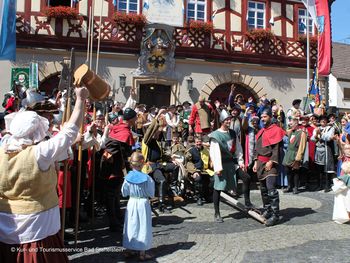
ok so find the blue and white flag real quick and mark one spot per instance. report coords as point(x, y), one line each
point(146, 5)
point(115, 2)
point(312, 9)
point(7, 29)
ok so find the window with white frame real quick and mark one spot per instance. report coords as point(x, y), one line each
point(128, 6)
point(302, 21)
point(196, 10)
point(256, 15)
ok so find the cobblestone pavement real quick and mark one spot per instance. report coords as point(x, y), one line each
point(188, 234)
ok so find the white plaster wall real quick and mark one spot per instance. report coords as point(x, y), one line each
point(276, 9)
point(35, 6)
point(236, 24)
point(277, 28)
point(236, 5)
point(336, 93)
point(20, 5)
point(219, 21)
point(5, 80)
point(289, 12)
point(218, 4)
point(285, 84)
point(290, 29)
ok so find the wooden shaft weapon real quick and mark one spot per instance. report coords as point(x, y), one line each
point(66, 116)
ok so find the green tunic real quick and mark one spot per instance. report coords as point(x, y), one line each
point(227, 180)
point(295, 139)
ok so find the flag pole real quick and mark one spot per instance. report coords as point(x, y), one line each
point(307, 49)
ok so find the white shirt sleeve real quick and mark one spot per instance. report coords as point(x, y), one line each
point(215, 155)
point(327, 135)
point(170, 121)
point(47, 152)
point(130, 103)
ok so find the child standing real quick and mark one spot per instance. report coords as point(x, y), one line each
point(139, 186)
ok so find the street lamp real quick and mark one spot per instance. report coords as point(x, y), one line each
point(189, 84)
point(122, 82)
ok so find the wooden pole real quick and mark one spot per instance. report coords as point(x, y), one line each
point(66, 116)
point(79, 163)
point(239, 206)
point(93, 175)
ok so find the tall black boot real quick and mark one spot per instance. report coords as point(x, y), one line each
point(266, 201)
point(275, 206)
point(290, 181)
point(320, 182)
point(216, 201)
point(296, 182)
point(198, 190)
point(327, 187)
point(246, 189)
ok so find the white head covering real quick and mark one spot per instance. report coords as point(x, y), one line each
point(26, 128)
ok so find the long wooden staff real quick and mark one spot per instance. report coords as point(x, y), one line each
point(93, 157)
point(66, 116)
point(80, 148)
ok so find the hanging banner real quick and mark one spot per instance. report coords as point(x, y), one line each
point(33, 76)
point(164, 12)
point(324, 38)
point(8, 30)
point(20, 76)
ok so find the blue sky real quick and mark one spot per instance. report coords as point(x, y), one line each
point(340, 21)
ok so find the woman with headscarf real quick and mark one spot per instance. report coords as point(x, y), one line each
point(29, 212)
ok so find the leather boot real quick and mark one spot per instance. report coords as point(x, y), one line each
point(275, 206)
point(198, 191)
point(266, 202)
point(327, 187)
point(218, 218)
point(246, 193)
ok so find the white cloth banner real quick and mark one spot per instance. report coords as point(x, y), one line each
point(312, 10)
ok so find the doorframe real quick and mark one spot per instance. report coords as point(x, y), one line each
point(174, 86)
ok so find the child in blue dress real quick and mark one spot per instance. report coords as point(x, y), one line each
point(137, 235)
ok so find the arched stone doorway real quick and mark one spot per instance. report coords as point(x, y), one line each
point(49, 84)
point(222, 92)
point(219, 86)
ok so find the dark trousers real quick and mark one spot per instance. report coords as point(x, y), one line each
point(293, 177)
point(269, 194)
point(112, 199)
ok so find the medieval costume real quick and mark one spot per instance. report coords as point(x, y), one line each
point(197, 165)
point(29, 216)
point(158, 166)
point(294, 156)
point(324, 157)
point(114, 163)
point(138, 216)
point(268, 141)
point(227, 157)
point(200, 117)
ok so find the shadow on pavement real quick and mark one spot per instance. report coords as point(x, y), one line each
point(289, 213)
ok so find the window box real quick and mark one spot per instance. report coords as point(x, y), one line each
point(200, 26)
point(61, 12)
point(303, 39)
point(131, 18)
point(260, 34)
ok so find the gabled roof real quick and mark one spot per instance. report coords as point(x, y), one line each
point(341, 61)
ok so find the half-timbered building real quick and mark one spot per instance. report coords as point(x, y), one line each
point(184, 49)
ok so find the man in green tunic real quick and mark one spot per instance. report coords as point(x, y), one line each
point(297, 138)
point(227, 157)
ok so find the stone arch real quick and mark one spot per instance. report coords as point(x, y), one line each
point(234, 76)
point(49, 76)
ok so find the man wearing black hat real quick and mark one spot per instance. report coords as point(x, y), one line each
point(113, 163)
point(266, 158)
